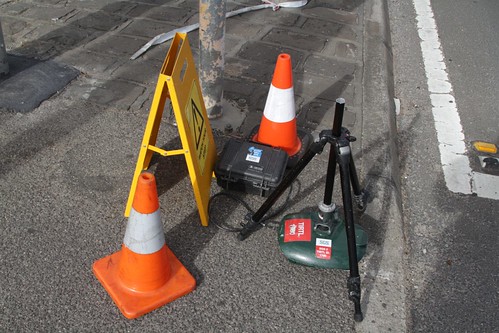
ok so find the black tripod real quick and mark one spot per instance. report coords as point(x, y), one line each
point(340, 153)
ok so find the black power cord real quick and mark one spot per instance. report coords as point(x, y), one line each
point(265, 222)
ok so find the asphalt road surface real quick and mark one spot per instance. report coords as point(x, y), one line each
point(452, 266)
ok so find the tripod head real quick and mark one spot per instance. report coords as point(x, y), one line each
point(338, 116)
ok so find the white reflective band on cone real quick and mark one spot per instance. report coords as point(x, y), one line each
point(280, 105)
point(144, 232)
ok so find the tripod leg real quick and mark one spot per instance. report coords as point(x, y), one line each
point(254, 223)
point(359, 195)
point(353, 281)
point(331, 172)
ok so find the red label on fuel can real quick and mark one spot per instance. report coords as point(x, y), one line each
point(323, 248)
point(298, 230)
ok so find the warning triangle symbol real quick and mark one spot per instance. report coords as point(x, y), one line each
point(198, 123)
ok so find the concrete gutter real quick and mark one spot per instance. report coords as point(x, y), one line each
point(383, 298)
point(4, 64)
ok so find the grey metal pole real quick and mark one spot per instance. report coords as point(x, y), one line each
point(211, 54)
point(4, 65)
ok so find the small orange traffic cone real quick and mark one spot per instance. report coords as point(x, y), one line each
point(278, 125)
point(144, 274)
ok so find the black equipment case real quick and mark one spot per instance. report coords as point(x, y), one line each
point(250, 167)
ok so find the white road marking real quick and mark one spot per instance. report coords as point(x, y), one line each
point(459, 177)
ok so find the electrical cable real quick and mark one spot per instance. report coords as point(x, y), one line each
point(266, 222)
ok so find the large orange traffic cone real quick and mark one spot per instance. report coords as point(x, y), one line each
point(278, 125)
point(144, 274)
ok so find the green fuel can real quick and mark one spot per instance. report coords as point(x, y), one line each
point(307, 239)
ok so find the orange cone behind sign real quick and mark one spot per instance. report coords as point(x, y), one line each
point(278, 124)
point(144, 274)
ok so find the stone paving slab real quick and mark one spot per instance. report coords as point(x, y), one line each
point(24, 91)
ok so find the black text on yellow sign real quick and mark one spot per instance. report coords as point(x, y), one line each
point(197, 125)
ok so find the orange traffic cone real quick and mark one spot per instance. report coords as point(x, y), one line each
point(278, 125)
point(144, 274)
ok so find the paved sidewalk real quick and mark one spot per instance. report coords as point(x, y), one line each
point(67, 158)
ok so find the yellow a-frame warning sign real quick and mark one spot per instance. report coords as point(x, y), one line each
point(178, 81)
